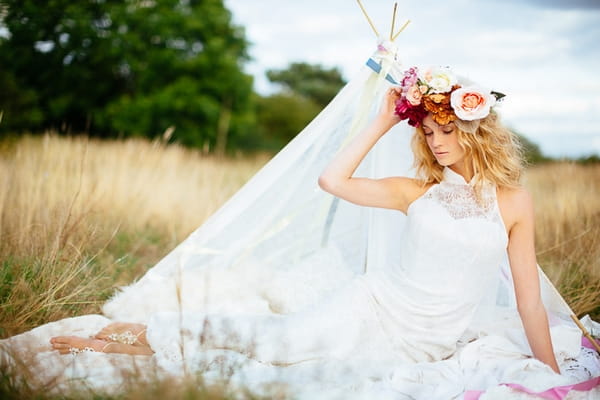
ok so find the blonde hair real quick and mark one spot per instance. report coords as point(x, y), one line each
point(494, 151)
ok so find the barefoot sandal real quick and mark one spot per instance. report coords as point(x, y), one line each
point(75, 350)
point(126, 337)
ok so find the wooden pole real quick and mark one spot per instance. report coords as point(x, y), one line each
point(586, 333)
point(393, 21)
point(368, 19)
point(401, 29)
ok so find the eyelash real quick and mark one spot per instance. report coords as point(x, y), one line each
point(431, 133)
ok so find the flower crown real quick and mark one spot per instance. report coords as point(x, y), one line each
point(437, 91)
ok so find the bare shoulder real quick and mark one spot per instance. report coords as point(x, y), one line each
point(410, 189)
point(516, 205)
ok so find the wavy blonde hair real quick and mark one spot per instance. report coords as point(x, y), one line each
point(495, 153)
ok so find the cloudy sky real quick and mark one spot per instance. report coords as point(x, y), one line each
point(544, 54)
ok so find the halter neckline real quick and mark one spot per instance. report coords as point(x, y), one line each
point(454, 177)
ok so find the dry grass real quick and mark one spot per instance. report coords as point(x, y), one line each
point(568, 230)
point(79, 217)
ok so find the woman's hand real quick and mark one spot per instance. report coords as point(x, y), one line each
point(387, 112)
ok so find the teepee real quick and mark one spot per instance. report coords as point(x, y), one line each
point(282, 228)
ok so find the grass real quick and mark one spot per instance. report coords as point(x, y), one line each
point(568, 230)
point(79, 217)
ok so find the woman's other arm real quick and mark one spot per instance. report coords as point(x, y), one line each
point(393, 192)
point(518, 210)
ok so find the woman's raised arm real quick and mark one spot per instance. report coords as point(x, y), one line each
point(393, 192)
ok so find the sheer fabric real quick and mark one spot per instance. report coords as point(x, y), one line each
point(288, 284)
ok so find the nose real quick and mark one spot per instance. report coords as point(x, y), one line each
point(436, 139)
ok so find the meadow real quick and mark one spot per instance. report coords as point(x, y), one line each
point(81, 217)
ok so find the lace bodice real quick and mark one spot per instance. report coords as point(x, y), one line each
point(460, 199)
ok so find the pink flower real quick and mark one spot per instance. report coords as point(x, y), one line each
point(413, 95)
point(471, 103)
point(410, 78)
point(414, 114)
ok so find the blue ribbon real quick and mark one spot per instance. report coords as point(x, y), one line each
point(375, 66)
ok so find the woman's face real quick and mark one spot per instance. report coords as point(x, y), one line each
point(443, 142)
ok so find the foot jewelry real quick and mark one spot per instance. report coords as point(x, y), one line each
point(76, 350)
point(126, 337)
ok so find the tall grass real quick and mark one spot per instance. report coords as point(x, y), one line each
point(79, 217)
point(567, 202)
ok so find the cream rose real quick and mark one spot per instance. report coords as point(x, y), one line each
point(471, 103)
point(413, 95)
point(440, 79)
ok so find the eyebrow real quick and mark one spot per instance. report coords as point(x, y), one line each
point(448, 125)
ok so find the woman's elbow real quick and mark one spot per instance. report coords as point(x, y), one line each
point(326, 183)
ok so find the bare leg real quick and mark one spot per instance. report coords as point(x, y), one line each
point(66, 344)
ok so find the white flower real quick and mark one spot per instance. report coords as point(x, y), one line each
point(439, 79)
point(471, 102)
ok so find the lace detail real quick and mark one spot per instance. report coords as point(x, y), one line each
point(461, 201)
point(585, 366)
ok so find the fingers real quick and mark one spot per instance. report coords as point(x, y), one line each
point(395, 91)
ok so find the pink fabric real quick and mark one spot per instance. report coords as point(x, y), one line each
point(555, 393)
point(585, 342)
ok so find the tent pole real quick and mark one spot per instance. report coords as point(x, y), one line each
point(401, 29)
point(586, 333)
point(368, 19)
point(393, 21)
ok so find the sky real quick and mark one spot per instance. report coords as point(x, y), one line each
point(543, 54)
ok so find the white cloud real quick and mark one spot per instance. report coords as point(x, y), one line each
point(544, 58)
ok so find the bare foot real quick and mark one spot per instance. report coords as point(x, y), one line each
point(66, 344)
point(70, 344)
point(137, 332)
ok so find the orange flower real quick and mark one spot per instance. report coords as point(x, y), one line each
point(438, 105)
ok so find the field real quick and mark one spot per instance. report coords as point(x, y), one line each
point(80, 217)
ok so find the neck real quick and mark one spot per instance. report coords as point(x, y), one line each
point(464, 169)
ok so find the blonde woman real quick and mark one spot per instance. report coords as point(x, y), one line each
point(403, 328)
point(465, 177)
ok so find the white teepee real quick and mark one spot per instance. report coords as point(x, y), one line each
point(281, 242)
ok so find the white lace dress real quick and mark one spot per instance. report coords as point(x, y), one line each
point(402, 332)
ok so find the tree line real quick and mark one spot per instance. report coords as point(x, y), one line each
point(122, 68)
point(150, 68)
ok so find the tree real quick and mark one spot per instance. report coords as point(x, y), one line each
point(314, 82)
point(127, 67)
point(282, 116)
point(305, 90)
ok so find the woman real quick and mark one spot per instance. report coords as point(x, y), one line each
point(407, 328)
point(447, 147)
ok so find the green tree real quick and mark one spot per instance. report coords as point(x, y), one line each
point(314, 82)
point(127, 67)
point(305, 90)
point(282, 116)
